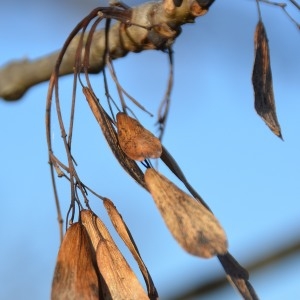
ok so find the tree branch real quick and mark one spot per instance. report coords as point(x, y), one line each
point(152, 25)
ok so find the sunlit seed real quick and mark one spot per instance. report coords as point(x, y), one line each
point(137, 142)
point(75, 275)
point(194, 227)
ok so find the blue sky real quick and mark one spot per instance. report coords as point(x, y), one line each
point(248, 177)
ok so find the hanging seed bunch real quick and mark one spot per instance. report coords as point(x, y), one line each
point(89, 263)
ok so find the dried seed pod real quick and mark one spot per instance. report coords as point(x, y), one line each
point(120, 280)
point(238, 276)
point(137, 142)
point(95, 227)
point(117, 274)
point(75, 275)
point(262, 81)
point(194, 227)
point(126, 236)
point(110, 135)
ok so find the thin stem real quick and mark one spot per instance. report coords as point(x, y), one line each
point(283, 6)
point(295, 4)
point(164, 107)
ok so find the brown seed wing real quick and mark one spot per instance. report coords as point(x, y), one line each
point(194, 227)
point(262, 81)
point(119, 277)
point(75, 276)
point(95, 227)
point(120, 280)
point(137, 142)
point(126, 236)
point(111, 137)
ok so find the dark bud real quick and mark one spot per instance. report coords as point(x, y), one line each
point(177, 3)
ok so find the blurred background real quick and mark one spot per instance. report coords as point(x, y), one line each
point(248, 176)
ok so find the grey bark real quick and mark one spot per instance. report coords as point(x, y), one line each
point(152, 25)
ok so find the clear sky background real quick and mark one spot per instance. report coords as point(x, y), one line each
point(248, 176)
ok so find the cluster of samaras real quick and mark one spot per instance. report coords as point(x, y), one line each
point(193, 225)
point(89, 263)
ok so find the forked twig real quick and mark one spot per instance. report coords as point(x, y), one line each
point(283, 6)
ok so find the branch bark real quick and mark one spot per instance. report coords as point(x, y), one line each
point(152, 25)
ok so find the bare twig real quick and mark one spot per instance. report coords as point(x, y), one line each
point(283, 6)
point(205, 288)
point(295, 4)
